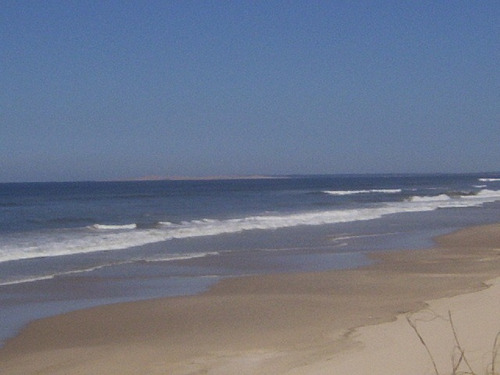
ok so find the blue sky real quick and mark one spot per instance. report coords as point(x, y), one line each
point(117, 89)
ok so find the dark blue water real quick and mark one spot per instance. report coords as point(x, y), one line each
point(65, 246)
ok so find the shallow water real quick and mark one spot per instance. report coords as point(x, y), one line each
point(72, 246)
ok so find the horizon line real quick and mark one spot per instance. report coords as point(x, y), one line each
point(254, 177)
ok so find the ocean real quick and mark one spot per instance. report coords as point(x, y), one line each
point(67, 246)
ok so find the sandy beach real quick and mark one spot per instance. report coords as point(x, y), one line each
point(338, 322)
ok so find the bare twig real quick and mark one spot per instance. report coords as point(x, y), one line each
point(414, 326)
point(459, 346)
point(496, 347)
point(457, 365)
point(459, 351)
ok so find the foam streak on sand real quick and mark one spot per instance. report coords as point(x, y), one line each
point(336, 322)
point(168, 258)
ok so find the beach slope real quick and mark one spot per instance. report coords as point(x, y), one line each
point(351, 321)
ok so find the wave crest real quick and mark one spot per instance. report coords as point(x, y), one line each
point(489, 179)
point(101, 237)
point(113, 227)
point(371, 191)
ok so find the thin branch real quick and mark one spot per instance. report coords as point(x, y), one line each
point(496, 345)
point(414, 326)
point(457, 365)
point(459, 346)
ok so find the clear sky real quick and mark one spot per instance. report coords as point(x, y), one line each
point(116, 89)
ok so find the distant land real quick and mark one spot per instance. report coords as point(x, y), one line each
point(203, 178)
point(270, 177)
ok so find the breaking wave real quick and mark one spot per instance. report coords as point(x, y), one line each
point(101, 237)
point(489, 179)
point(113, 227)
point(351, 192)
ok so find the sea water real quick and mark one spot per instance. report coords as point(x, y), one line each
point(66, 246)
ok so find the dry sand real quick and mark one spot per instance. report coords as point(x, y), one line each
point(339, 322)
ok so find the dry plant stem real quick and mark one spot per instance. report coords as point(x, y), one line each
point(457, 365)
point(414, 326)
point(462, 357)
point(459, 346)
point(496, 345)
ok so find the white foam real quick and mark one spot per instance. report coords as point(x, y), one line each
point(89, 240)
point(114, 227)
point(435, 198)
point(168, 258)
point(489, 179)
point(351, 192)
point(26, 280)
point(51, 276)
point(173, 257)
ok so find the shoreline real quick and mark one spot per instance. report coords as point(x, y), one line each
point(280, 323)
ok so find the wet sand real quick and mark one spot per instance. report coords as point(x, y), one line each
point(305, 323)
